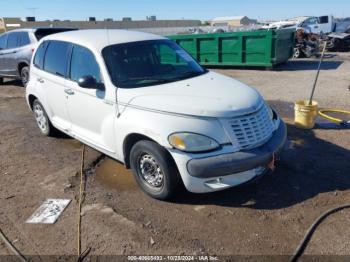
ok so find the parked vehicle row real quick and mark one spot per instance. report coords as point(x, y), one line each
point(327, 28)
point(16, 50)
point(144, 101)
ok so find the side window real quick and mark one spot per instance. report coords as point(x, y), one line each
point(3, 41)
point(39, 55)
point(311, 21)
point(12, 40)
point(24, 39)
point(323, 19)
point(83, 63)
point(55, 61)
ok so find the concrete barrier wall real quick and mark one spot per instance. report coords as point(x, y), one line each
point(114, 24)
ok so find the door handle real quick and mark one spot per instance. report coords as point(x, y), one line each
point(40, 80)
point(69, 91)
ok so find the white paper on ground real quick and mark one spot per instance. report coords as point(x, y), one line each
point(49, 211)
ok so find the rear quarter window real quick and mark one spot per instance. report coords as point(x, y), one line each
point(24, 39)
point(56, 58)
point(323, 19)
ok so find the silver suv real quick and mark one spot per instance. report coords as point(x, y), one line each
point(16, 50)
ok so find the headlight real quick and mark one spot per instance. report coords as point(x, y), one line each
point(270, 111)
point(191, 142)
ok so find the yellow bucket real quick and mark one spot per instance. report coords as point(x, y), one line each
point(305, 114)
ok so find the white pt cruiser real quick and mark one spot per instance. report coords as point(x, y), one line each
point(142, 100)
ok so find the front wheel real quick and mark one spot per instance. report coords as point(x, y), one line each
point(1, 80)
point(154, 170)
point(25, 75)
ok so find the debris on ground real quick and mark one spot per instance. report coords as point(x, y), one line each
point(306, 44)
point(339, 41)
point(49, 211)
point(152, 241)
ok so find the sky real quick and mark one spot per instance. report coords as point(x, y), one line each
point(171, 9)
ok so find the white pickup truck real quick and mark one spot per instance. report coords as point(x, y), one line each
point(317, 25)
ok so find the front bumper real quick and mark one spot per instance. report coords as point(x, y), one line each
point(238, 162)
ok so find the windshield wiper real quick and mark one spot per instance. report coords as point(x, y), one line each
point(133, 82)
point(188, 75)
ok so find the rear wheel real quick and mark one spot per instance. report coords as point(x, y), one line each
point(154, 170)
point(1, 80)
point(24, 75)
point(42, 120)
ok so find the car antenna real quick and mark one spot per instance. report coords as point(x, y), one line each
point(116, 88)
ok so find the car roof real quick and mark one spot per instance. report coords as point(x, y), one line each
point(97, 39)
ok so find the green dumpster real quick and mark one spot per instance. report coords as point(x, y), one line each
point(265, 48)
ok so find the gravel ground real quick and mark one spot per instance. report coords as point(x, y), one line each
point(268, 217)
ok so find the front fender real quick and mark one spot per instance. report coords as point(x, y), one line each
point(158, 126)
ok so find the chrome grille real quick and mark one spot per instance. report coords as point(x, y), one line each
point(250, 130)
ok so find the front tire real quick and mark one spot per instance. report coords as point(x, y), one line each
point(154, 170)
point(25, 75)
point(42, 120)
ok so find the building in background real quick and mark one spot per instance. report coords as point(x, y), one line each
point(7, 24)
point(233, 21)
point(151, 18)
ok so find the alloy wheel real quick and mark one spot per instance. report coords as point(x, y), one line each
point(24, 77)
point(150, 171)
point(40, 117)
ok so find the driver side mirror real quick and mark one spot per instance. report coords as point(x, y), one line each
point(90, 82)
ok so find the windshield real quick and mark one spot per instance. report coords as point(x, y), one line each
point(146, 63)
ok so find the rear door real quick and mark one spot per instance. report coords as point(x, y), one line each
point(25, 50)
point(51, 80)
point(3, 43)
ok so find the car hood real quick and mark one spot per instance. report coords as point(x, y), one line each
point(208, 95)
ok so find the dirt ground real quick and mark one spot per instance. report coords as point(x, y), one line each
point(268, 217)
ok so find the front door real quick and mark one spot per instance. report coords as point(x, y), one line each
point(91, 111)
point(311, 24)
point(8, 55)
